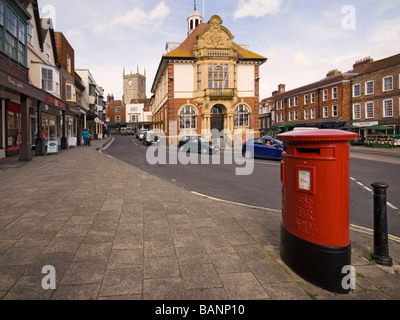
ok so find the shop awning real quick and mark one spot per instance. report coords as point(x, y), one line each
point(379, 127)
point(350, 127)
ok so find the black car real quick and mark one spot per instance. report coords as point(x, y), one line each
point(197, 144)
point(149, 138)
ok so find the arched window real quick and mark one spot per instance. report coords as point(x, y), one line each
point(187, 119)
point(218, 76)
point(217, 110)
point(242, 116)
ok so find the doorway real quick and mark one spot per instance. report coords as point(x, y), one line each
point(217, 118)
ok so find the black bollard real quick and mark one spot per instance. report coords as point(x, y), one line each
point(381, 241)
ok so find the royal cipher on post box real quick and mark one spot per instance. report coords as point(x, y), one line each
point(315, 241)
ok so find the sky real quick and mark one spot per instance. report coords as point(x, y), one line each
point(302, 39)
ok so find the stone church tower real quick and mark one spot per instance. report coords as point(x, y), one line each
point(134, 86)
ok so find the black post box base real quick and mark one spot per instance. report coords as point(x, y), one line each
point(319, 265)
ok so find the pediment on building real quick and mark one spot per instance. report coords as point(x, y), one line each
point(215, 35)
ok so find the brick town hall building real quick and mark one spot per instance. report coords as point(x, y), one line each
point(207, 82)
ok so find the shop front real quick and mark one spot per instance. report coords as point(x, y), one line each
point(17, 116)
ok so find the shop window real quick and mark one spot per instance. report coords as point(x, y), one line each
point(13, 127)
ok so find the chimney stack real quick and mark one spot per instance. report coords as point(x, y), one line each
point(281, 88)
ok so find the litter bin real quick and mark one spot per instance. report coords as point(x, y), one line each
point(315, 240)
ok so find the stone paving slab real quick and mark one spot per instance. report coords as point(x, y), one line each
point(112, 231)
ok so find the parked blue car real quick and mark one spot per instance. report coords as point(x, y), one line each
point(266, 148)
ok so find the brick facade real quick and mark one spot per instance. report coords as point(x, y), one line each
point(323, 104)
point(369, 94)
point(65, 52)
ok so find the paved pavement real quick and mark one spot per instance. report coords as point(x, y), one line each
point(112, 231)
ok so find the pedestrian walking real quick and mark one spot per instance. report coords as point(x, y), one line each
point(86, 135)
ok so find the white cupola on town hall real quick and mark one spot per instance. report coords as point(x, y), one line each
point(195, 18)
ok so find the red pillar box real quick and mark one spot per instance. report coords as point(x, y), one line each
point(315, 240)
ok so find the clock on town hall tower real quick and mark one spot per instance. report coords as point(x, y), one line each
point(134, 86)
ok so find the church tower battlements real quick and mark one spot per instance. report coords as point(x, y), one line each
point(134, 85)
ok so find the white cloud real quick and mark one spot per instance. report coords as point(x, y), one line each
point(138, 19)
point(257, 8)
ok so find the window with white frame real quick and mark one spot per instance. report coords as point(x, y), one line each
point(369, 110)
point(187, 119)
point(117, 118)
point(357, 90)
point(335, 111)
point(291, 116)
point(290, 102)
point(388, 83)
point(306, 99)
point(242, 116)
point(50, 80)
point(312, 97)
point(282, 117)
point(357, 111)
point(313, 114)
point(334, 93)
point(325, 95)
point(277, 118)
point(306, 114)
point(296, 101)
point(388, 108)
point(296, 115)
point(134, 118)
point(325, 112)
point(369, 87)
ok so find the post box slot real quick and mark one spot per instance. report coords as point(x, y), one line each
point(309, 150)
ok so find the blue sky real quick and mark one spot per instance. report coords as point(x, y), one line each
point(302, 39)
